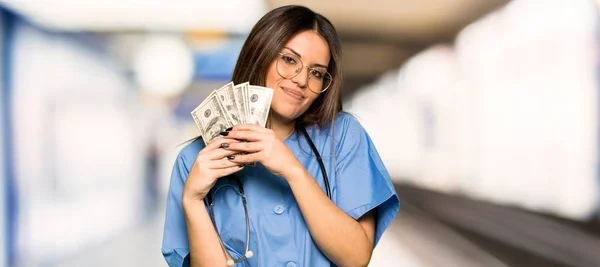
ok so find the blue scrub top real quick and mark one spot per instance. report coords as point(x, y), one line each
point(278, 234)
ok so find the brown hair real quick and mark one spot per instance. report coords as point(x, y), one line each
point(266, 40)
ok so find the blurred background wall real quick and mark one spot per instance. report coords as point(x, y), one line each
point(505, 113)
point(484, 112)
point(3, 141)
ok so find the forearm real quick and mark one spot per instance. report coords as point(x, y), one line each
point(204, 244)
point(341, 238)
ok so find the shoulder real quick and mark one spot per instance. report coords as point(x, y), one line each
point(343, 123)
point(188, 153)
point(347, 132)
point(345, 119)
point(348, 128)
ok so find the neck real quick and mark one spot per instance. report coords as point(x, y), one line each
point(282, 128)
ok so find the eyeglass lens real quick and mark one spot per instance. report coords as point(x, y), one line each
point(289, 66)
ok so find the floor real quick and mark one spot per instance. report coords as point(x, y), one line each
point(412, 240)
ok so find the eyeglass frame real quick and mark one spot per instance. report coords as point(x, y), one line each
point(299, 70)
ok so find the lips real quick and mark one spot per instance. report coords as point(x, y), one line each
point(294, 93)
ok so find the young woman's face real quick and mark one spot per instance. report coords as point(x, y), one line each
point(292, 96)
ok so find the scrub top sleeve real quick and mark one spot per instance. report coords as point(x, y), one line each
point(362, 182)
point(175, 246)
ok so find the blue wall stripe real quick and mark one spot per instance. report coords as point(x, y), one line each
point(10, 200)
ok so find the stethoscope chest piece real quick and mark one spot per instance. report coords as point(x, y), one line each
point(249, 254)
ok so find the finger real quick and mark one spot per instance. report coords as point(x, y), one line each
point(246, 158)
point(229, 171)
point(250, 147)
point(250, 127)
point(216, 144)
point(246, 135)
point(219, 153)
point(223, 163)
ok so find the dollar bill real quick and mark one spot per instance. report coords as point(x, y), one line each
point(241, 100)
point(246, 98)
point(259, 103)
point(211, 118)
point(227, 98)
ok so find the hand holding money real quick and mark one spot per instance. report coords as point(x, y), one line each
point(259, 144)
point(231, 105)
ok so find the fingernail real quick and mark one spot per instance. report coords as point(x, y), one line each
point(224, 133)
point(231, 157)
point(224, 145)
point(229, 129)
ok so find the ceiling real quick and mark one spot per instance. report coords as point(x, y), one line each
point(141, 15)
point(377, 35)
point(405, 21)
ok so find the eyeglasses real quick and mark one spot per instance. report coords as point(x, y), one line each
point(289, 66)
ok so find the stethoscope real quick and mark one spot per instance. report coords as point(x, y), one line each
point(248, 253)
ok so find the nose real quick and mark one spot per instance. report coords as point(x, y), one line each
point(301, 78)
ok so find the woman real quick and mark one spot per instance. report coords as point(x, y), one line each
point(305, 207)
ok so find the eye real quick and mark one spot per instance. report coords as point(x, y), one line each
point(317, 74)
point(288, 59)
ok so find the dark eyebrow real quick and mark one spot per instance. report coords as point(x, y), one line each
point(293, 51)
point(319, 65)
point(298, 54)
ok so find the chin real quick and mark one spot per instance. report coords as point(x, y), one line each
point(287, 115)
point(286, 110)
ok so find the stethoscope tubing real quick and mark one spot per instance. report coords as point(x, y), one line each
point(210, 202)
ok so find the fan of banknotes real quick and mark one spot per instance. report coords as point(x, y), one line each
point(231, 105)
